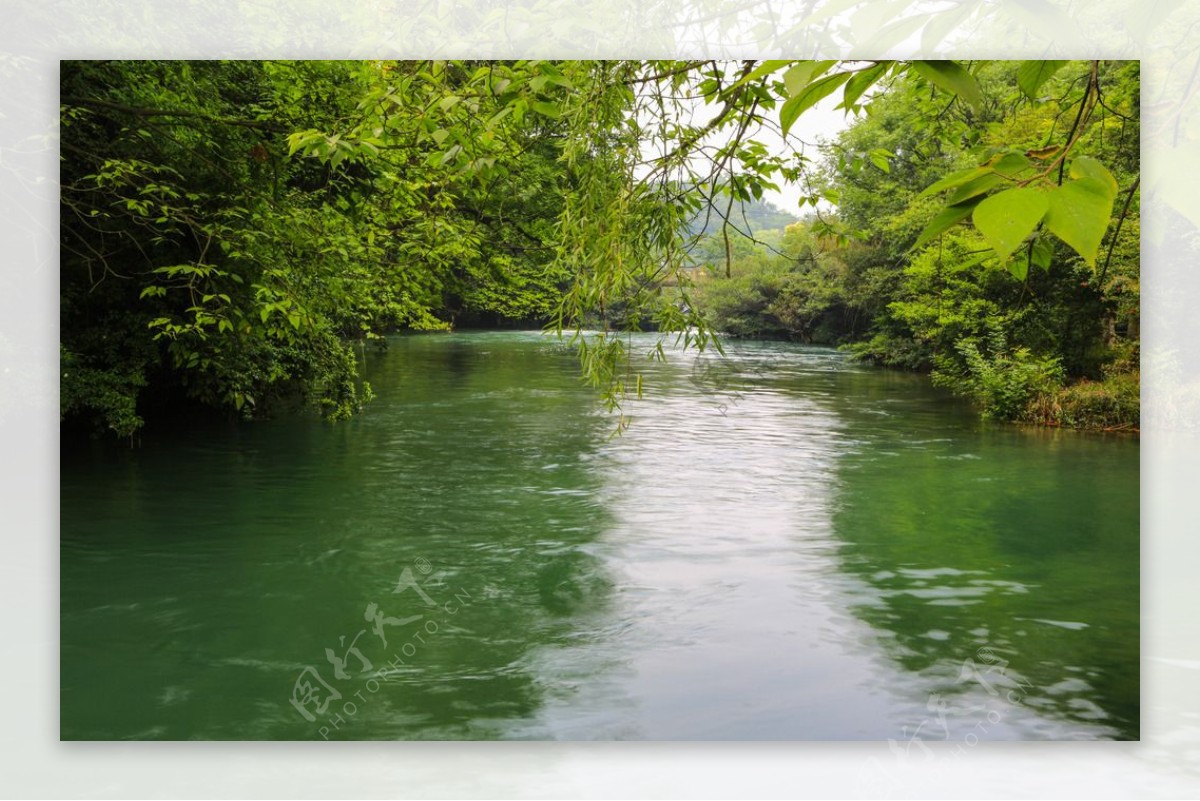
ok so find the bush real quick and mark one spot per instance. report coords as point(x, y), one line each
point(1002, 382)
point(888, 349)
point(741, 305)
point(108, 395)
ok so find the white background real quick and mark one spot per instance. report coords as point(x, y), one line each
point(35, 35)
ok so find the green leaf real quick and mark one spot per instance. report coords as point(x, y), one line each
point(951, 77)
point(971, 262)
point(975, 187)
point(546, 109)
point(862, 81)
point(1038, 254)
point(1007, 217)
point(553, 75)
point(766, 68)
point(1041, 253)
point(1032, 74)
point(954, 179)
point(880, 158)
point(946, 218)
point(799, 76)
point(814, 93)
point(1011, 164)
point(1079, 215)
point(977, 180)
point(299, 140)
point(1019, 266)
point(497, 117)
point(1087, 167)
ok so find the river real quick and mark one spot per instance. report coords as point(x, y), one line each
point(784, 544)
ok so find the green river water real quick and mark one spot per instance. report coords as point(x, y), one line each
point(783, 545)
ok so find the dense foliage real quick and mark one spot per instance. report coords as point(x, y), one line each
point(206, 257)
point(234, 232)
point(1032, 309)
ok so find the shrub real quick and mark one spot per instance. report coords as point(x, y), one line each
point(1000, 381)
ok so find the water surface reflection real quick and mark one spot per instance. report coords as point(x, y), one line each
point(783, 546)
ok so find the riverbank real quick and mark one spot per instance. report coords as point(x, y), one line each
point(1018, 387)
point(1112, 404)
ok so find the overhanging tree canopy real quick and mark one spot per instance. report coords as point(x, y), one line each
point(230, 228)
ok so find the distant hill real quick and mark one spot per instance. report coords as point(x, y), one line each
point(759, 215)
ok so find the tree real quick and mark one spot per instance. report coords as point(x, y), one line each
point(231, 229)
point(206, 255)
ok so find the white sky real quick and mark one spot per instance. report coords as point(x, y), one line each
point(821, 122)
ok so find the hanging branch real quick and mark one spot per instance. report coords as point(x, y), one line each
point(1120, 221)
